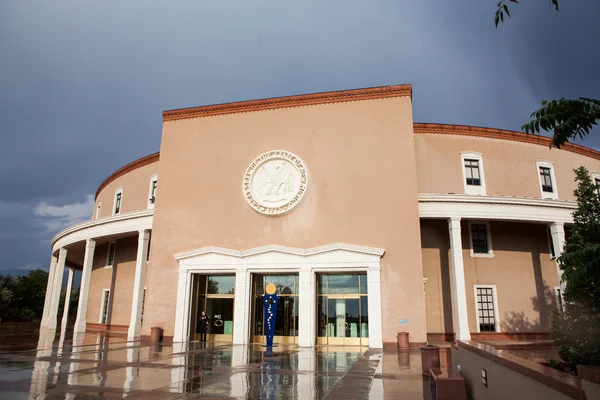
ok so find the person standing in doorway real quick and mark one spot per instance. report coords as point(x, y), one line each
point(203, 322)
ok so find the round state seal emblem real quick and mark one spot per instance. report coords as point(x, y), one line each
point(275, 182)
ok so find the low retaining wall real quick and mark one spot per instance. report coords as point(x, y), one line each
point(511, 377)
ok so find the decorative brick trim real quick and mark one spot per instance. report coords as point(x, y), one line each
point(106, 328)
point(441, 337)
point(152, 158)
point(479, 336)
point(490, 133)
point(302, 100)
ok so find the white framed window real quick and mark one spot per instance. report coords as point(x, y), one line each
point(480, 239)
point(98, 208)
point(104, 307)
point(152, 191)
point(486, 304)
point(596, 181)
point(473, 176)
point(545, 171)
point(559, 298)
point(110, 255)
point(118, 203)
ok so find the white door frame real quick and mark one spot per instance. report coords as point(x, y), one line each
point(333, 258)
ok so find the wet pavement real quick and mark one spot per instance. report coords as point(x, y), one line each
point(99, 366)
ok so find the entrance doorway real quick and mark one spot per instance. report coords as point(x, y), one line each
point(286, 323)
point(343, 310)
point(214, 294)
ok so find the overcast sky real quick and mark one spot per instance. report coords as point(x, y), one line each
point(83, 83)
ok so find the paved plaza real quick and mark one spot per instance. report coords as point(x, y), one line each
point(99, 366)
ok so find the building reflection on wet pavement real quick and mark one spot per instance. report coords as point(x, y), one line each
point(97, 366)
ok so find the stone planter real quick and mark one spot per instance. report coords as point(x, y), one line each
point(430, 358)
point(589, 373)
point(402, 340)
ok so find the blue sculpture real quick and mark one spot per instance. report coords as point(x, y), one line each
point(270, 302)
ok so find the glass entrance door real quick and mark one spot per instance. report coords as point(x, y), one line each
point(214, 295)
point(343, 312)
point(286, 323)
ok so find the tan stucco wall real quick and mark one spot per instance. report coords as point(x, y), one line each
point(363, 190)
point(510, 167)
point(136, 190)
point(522, 271)
point(119, 279)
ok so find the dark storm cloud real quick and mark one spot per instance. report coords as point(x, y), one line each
point(83, 84)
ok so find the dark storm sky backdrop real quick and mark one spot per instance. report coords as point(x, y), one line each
point(83, 83)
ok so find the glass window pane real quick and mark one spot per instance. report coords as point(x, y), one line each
point(364, 316)
point(322, 316)
point(342, 284)
point(322, 284)
point(221, 284)
point(363, 284)
point(285, 283)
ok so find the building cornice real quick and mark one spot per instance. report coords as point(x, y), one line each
point(500, 208)
point(152, 158)
point(100, 222)
point(491, 133)
point(301, 100)
point(273, 248)
point(508, 200)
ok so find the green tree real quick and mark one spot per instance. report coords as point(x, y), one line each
point(23, 297)
point(577, 329)
point(567, 119)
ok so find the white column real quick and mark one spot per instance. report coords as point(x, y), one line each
point(182, 308)
point(374, 293)
point(57, 285)
point(238, 381)
point(135, 324)
point(241, 312)
point(557, 231)
point(49, 287)
point(306, 308)
point(306, 378)
point(458, 275)
point(84, 288)
point(63, 325)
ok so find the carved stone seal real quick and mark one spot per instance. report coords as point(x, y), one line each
point(275, 182)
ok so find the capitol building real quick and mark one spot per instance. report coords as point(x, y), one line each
point(367, 222)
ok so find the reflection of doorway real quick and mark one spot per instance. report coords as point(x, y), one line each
point(342, 306)
point(286, 323)
point(215, 294)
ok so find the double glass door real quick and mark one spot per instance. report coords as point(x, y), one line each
point(215, 295)
point(286, 322)
point(343, 314)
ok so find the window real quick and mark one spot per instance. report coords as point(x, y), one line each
point(472, 172)
point(480, 238)
point(104, 310)
point(98, 208)
point(143, 303)
point(559, 298)
point(110, 259)
point(547, 180)
point(551, 244)
point(152, 192)
point(473, 179)
point(148, 252)
point(597, 182)
point(118, 202)
point(486, 304)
